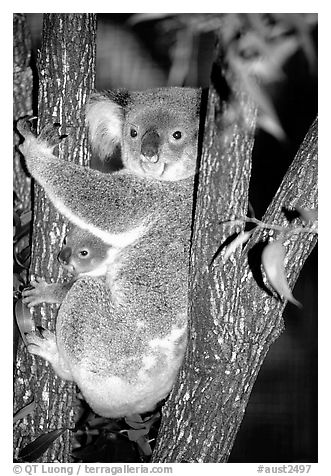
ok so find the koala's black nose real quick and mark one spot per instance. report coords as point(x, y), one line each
point(150, 146)
point(64, 255)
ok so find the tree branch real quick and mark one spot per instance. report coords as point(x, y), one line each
point(234, 316)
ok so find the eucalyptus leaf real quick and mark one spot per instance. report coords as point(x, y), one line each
point(273, 257)
point(24, 319)
point(25, 411)
point(36, 448)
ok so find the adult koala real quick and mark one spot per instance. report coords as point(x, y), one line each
point(122, 338)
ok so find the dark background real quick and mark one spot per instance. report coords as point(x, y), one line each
point(280, 424)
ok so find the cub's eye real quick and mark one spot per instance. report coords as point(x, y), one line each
point(177, 135)
point(133, 132)
point(83, 253)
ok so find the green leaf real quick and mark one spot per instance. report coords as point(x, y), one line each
point(273, 257)
point(135, 421)
point(144, 446)
point(25, 411)
point(23, 257)
point(134, 435)
point(239, 240)
point(17, 224)
point(17, 281)
point(34, 450)
point(142, 17)
point(24, 319)
point(26, 217)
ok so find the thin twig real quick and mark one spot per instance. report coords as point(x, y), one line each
point(261, 224)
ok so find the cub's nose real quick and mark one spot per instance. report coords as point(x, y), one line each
point(64, 255)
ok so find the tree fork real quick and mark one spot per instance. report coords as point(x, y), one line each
point(233, 317)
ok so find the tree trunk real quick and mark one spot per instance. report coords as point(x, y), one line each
point(66, 76)
point(234, 318)
point(22, 89)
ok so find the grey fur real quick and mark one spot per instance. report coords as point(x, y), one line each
point(122, 339)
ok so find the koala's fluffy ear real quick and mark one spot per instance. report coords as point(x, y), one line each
point(104, 117)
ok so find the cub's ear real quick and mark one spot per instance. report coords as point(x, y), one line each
point(105, 117)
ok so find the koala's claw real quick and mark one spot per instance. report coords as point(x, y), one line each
point(35, 293)
point(50, 134)
point(43, 343)
point(24, 126)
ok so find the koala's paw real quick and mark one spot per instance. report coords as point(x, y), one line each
point(50, 135)
point(24, 127)
point(42, 343)
point(36, 293)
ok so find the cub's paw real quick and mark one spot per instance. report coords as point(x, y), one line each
point(42, 343)
point(36, 293)
point(50, 135)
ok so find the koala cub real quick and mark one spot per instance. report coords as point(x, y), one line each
point(122, 339)
point(83, 254)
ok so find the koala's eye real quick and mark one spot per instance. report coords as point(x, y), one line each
point(83, 253)
point(133, 132)
point(177, 135)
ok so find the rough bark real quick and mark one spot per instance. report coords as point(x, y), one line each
point(22, 102)
point(233, 317)
point(66, 76)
